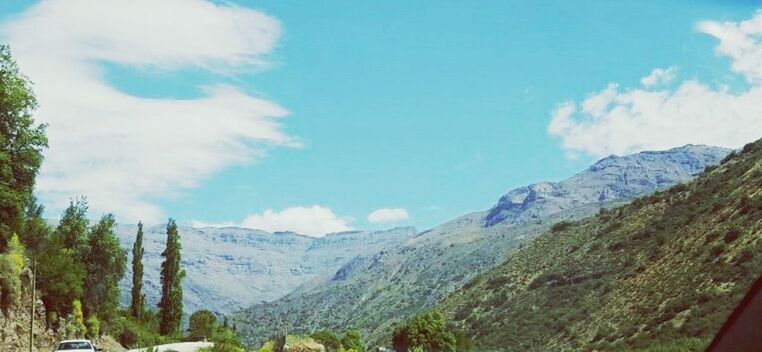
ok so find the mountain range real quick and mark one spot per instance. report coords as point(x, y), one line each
point(375, 291)
point(232, 268)
point(659, 274)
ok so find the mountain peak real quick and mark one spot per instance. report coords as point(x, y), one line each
point(609, 179)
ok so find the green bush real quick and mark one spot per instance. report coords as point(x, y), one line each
point(561, 226)
point(426, 331)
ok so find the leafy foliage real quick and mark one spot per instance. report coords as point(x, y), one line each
point(171, 304)
point(202, 323)
point(105, 264)
point(21, 144)
point(427, 332)
point(137, 304)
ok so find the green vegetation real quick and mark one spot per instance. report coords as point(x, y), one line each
point(21, 144)
point(137, 304)
point(171, 304)
point(428, 332)
point(660, 274)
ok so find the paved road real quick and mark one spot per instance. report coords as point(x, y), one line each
point(179, 347)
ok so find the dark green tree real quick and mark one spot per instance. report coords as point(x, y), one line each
point(106, 263)
point(328, 339)
point(138, 298)
point(72, 229)
point(171, 303)
point(427, 331)
point(61, 265)
point(36, 230)
point(353, 340)
point(21, 144)
point(202, 323)
point(60, 275)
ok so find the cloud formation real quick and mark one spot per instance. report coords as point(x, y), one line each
point(388, 215)
point(313, 221)
point(655, 116)
point(123, 151)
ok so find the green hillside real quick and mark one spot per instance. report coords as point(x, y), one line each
point(659, 274)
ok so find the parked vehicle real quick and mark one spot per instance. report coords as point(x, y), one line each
point(77, 346)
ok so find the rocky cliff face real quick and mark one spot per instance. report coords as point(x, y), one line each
point(377, 290)
point(610, 179)
point(231, 268)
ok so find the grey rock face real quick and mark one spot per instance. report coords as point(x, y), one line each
point(610, 179)
point(231, 268)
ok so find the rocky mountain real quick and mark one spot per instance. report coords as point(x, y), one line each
point(662, 273)
point(232, 268)
point(374, 292)
point(610, 179)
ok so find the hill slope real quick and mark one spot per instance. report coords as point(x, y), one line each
point(231, 268)
point(373, 292)
point(667, 268)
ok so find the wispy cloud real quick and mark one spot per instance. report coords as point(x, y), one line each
point(123, 151)
point(313, 221)
point(620, 121)
point(388, 215)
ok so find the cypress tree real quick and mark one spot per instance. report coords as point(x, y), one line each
point(138, 299)
point(171, 304)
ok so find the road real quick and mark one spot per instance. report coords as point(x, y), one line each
point(179, 347)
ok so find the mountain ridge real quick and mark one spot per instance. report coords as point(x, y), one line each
point(376, 291)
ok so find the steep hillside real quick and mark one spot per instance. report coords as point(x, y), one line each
point(373, 292)
point(231, 268)
point(664, 270)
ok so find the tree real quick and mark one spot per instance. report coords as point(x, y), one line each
point(171, 303)
point(427, 332)
point(328, 339)
point(202, 323)
point(352, 340)
point(11, 265)
point(72, 229)
point(138, 298)
point(36, 230)
point(105, 262)
point(21, 144)
point(60, 276)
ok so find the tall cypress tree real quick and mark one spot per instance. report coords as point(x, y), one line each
point(138, 299)
point(171, 304)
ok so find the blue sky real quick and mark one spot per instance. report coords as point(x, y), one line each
point(434, 107)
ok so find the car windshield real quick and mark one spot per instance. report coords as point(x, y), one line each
point(74, 346)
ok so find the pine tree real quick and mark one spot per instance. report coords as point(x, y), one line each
point(171, 304)
point(138, 299)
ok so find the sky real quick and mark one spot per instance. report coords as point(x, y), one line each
point(326, 116)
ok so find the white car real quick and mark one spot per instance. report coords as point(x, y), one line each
point(77, 346)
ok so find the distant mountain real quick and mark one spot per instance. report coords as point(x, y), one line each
point(610, 179)
point(375, 291)
point(231, 268)
point(662, 273)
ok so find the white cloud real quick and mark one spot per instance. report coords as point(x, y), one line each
point(659, 76)
point(313, 221)
point(123, 151)
point(621, 121)
point(388, 215)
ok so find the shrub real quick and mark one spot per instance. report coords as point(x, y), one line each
point(93, 327)
point(732, 234)
point(560, 226)
point(202, 324)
